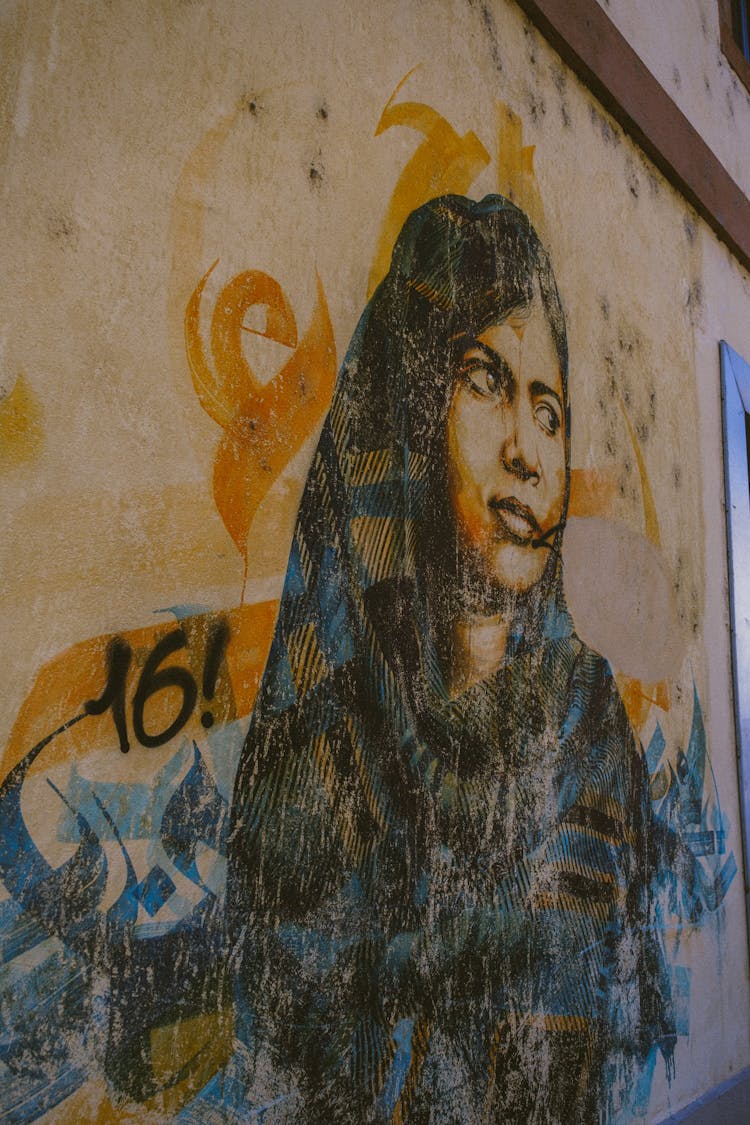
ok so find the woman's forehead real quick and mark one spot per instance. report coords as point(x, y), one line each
point(525, 342)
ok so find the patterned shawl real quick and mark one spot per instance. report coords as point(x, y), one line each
point(441, 907)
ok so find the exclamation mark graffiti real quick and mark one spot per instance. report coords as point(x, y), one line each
point(218, 639)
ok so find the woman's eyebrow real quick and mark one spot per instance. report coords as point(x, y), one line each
point(498, 361)
point(538, 389)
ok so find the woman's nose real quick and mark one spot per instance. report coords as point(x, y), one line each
point(518, 450)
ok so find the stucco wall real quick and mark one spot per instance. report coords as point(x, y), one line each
point(140, 144)
point(680, 44)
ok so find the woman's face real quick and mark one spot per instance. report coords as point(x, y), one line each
point(506, 450)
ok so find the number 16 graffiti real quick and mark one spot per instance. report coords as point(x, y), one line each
point(154, 679)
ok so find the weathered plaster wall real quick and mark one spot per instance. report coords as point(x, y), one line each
point(141, 143)
point(679, 42)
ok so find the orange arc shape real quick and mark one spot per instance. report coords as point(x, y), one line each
point(206, 386)
point(245, 291)
point(272, 424)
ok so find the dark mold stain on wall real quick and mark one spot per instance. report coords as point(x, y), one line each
point(679, 566)
point(695, 606)
point(490, 29)
point(704, 22)
point(531, 44)
point(609, 131)
point(62, 228)
point(694, 302)
point(316, 171)
point(626, 386)
point(632, 179)
point(537, 107)
point(559, 81)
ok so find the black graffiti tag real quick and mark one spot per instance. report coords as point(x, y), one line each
point(155, 678)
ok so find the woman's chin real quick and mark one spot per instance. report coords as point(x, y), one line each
point(514, 567)
point(489, 586)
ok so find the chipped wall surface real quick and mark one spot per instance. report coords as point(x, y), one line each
point(679, 42)
point(200, 201)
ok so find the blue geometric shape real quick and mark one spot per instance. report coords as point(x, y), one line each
point(295, 582)
point(402, 1035)
point(188, 609)
point(691, 770)
point(197, 813)
point(279, 673)
point(137, 808)
point(655, 750)
point(19, 931)
point(153, 891)
point(701, 843)
point(681, 999)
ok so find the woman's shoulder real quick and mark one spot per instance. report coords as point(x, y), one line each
point(610, 744)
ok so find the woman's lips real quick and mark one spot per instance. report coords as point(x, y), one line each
point(516, 520)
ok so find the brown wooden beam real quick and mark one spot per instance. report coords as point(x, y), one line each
point(586, 39)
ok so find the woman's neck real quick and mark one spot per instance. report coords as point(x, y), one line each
point(477, 649)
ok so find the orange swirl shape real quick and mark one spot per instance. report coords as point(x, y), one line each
point(264, 425)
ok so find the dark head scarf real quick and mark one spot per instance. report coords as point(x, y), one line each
point(395, 855)
point(457, 268)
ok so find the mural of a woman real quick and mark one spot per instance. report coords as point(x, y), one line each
point(441, 851)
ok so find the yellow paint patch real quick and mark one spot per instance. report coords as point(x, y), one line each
point(90, 1103)
point(638, 698)
point(443, 163)
point(650, 518)
point(420, 1044)
point(195, 1047)
point(515, 167)
point(21, 430)
point(192, 1050)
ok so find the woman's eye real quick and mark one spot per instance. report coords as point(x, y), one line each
point(547, 417)
point(483, 379)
